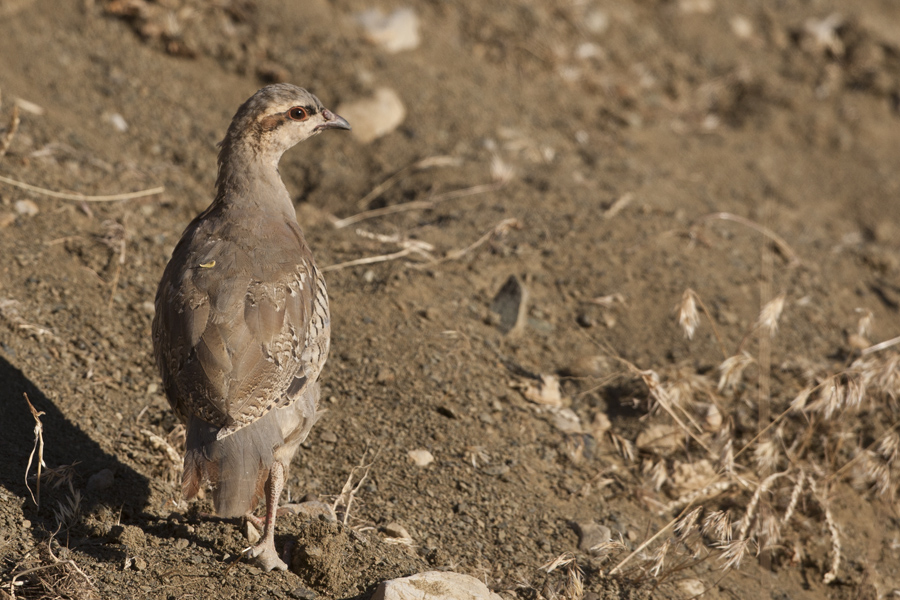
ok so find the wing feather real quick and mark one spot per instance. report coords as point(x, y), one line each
point(232, 328)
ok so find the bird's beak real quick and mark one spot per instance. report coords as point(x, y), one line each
point(332, 121)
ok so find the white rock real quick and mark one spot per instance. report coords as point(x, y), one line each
point(118, 122)
point(26, 207)
point(596, 21)
point(397, 533)
point(545, 392)
point(374, 117)
point(700, 7)
point(421, 457)
point(395, 32)
point(741, 27)
point(434, 585)
point(567, 421)
point(692, 588)
point(250, 532)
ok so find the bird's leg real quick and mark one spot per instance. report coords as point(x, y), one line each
point(264, 551)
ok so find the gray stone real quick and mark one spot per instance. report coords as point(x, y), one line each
point(590, 534)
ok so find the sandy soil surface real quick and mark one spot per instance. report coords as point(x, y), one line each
point(607, 155)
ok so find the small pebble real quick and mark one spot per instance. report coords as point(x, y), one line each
point(329, 437)
point(302, 593)
point(421, 457)
point(396, 530)
point(395, 32)
point(99, 481)
point(590, 534)
point(118, 122)
point(313, 509)
point(181, 543)
point(585, 320)
point(250, 532)
point(374, 116)
point(26, 207)
point(139, 564)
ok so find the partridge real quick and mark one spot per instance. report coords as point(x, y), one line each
point(242, 326)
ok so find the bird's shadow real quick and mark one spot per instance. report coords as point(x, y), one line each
point(71, 457)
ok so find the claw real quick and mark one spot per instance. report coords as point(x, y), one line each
point(266, 557)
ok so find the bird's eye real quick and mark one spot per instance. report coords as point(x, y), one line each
point(298, 113)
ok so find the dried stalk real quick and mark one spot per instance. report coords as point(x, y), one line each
point(82, 197)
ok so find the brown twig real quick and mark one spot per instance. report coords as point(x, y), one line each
point(348, 492)
point(647, 542)
point(417, 247)
point(881, 346)
point(792, 257)
point(368, 260)
point(82, 197)
point(11, 130)
point(417, 204)
point(497, 230)
point(116, 238)
point(56, 563)
point(39, 447)
point(421, 165)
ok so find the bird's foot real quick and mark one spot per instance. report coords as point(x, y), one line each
point(266, 557)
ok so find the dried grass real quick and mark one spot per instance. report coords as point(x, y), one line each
point(54, 580)
point(750, 501)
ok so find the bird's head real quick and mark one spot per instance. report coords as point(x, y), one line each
point(279, 116)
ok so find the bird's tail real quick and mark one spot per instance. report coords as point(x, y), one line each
point(237, 466)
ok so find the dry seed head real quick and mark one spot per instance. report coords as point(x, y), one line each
point(623, 446)
point(831, 575)
point(855, 393)
point(767, 455)
point(769, 531)
point(864, 326)
point(717, 525)
point(798, 404)
point(574, 588)
point(831, 397)
point(688, 315)
point(712, 418)
point(562, 560)
point(726, 458)
point(795, 498)
point(769, 315)
point(889, 379)
point(685, 524)
point(732, 553)
point(754, 503)
point(659, 475)
point(659, 559)
point(732, 369)
point(501, 171)
point(878, 473)
point(889, 448)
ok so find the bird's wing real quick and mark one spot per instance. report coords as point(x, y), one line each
point(232, 328)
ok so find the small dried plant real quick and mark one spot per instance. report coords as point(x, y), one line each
point(68, 512)
point(786, 467)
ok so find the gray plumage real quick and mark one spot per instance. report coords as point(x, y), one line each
point(242, 325)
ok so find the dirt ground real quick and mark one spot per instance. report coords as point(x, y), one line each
point(745, 150)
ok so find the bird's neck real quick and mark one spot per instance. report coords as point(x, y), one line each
point(249, 179)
